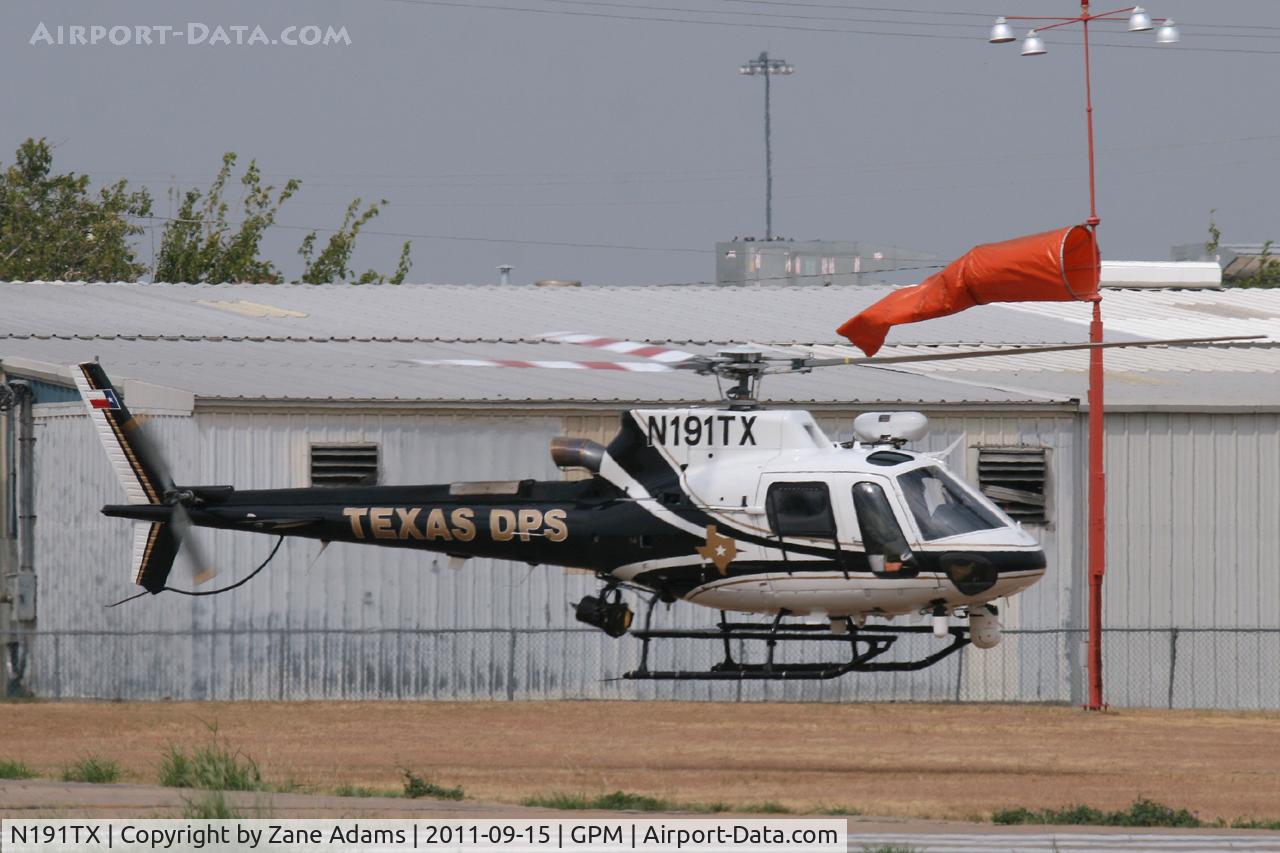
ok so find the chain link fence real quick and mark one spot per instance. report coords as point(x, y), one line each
point(1166, 667)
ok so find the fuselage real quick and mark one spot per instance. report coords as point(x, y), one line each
point(744, 510)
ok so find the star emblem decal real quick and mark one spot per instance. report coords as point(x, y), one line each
point(720, 550)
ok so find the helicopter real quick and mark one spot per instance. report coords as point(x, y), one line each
point(749, 511)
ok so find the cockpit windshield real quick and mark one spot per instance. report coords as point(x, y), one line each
point(942, 507)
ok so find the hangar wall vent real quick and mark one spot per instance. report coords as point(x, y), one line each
point(1014, 477)
point(344, 464)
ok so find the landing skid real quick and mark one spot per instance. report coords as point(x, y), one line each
point(865, 644)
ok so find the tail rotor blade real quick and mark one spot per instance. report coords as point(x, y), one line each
point(149, 452)
point(192, 552)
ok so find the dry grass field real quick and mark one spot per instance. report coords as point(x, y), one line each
point(958, 761)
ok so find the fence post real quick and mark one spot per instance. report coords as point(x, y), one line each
point(742, 655)
point(1173, 660)
point(511, 667)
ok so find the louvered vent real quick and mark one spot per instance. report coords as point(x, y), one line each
point(344, 464)
point(1014, 477)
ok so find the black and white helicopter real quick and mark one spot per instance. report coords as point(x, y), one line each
point(734, 507)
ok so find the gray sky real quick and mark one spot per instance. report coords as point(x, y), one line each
point(579, 128)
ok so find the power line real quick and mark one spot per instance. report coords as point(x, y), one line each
point(860, 8)
point(406, 235)
point(986, 17)
point(469, 238)
point(784, 27)
point(860, 192)
point(590, 179)
point(665, 20)
point(730, 13)
point(757, 280)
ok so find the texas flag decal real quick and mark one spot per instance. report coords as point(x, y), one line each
point(103, 400)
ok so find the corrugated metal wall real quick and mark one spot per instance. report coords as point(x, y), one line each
point(372, 623)
point(8, 509)
point(8, 455)
point(1193, 503)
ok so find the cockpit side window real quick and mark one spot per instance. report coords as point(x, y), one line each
point(942, 507)
point(801, 509)
point(880, 531)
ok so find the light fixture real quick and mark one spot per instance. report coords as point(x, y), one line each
point(1033, 45)
point(766, 66)
point(1001, 32)
point(1167, 33)
point(1139, 21)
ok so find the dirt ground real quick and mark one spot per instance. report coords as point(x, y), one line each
point(936, 761)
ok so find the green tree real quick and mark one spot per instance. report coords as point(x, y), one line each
point(1215, 234)
point(330, 264)
point(52, 227)
point(200, 245)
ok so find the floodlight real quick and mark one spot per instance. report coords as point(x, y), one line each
point(1139, 21)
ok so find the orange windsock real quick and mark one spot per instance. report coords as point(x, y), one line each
point(1056, 266)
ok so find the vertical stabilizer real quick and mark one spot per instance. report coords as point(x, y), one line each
point(140, 473)
point(140, 476)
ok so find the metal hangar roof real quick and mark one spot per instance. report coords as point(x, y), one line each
point(356, 343)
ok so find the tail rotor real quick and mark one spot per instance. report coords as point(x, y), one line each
point(145, 477)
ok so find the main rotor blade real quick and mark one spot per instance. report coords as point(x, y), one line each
point(805, 364)
point(633, 366)
point(653, 352)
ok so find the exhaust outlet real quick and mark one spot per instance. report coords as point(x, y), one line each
point(577, 453)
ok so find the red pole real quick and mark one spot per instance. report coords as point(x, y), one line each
point(1097, 435)
point(1097, 511)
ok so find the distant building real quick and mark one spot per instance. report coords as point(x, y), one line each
point(849, 262)
point(1237, 260)
point(810, 262)
point(1161, 274)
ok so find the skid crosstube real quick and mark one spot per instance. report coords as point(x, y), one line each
point(876, 641)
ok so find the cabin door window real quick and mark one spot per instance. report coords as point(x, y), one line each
point(887, 552)
point(801, 511)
